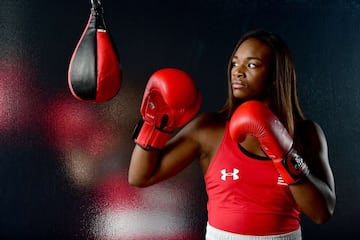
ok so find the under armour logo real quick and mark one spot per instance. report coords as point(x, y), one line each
point(233, 174)
point(281, 181)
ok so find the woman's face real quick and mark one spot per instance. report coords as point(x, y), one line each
point(250, 70)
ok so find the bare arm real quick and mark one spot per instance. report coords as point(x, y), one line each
point(148, 167)
point(315, 195)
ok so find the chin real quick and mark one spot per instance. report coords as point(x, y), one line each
point(239, 95)
point(242, 97)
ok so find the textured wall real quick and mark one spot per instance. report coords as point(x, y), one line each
point(63, 163)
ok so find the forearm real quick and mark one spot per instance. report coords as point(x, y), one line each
point(142, 166)
point(315, 198)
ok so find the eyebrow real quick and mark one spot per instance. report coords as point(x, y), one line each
point(250, 58)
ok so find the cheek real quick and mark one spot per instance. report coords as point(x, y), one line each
point(260, 85)
point(258, 81)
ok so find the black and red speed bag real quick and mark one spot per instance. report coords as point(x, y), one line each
point(94, 72)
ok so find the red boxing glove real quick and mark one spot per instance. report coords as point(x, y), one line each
point(254, 118)
point(170, 100)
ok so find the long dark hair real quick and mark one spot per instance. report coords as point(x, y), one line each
point(283, 96)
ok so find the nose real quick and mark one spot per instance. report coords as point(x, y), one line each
point(237, 72)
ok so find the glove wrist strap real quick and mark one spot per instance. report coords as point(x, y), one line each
point(292, 167)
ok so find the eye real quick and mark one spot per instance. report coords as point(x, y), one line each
point(234, 64)
point(252, 65)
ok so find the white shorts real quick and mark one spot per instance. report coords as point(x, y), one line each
point(216, 234)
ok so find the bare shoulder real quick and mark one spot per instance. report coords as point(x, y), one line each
point(209, 123)
point(311, 141)
point(310, 132)
point(205, 131)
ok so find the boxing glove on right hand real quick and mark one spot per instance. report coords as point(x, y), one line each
point(170, 100)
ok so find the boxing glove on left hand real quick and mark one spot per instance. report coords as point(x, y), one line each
point(170, 100)
point(254, 118)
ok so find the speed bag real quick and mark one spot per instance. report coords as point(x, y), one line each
point(94, 71)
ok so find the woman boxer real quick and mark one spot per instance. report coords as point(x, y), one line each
point(264, 164)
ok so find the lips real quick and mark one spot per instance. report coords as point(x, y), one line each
point(236, 84)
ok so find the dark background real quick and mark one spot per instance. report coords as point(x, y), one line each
point(63, 163)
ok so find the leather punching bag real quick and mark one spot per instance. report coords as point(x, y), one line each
point(94, 72)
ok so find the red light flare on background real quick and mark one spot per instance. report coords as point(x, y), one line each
point(19, 99)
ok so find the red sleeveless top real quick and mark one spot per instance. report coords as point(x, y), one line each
point(246, 194)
